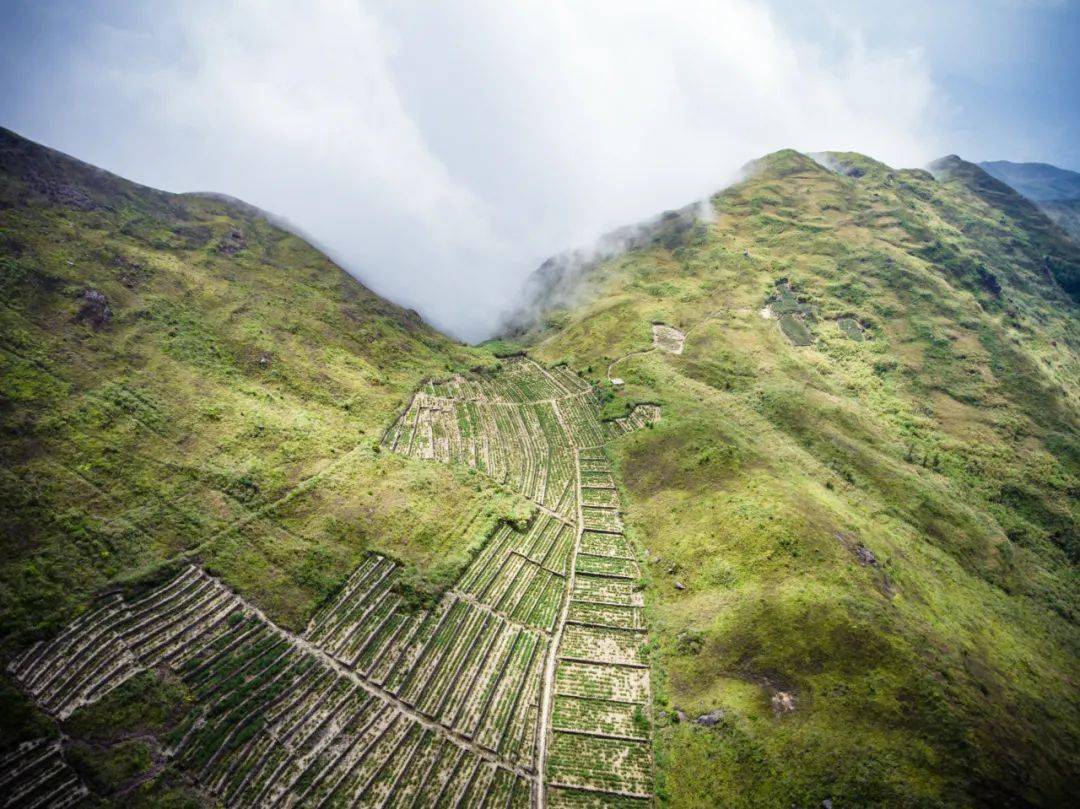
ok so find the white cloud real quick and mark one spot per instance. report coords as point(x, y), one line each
point(441, 151)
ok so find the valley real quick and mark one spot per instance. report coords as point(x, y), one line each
point(773, 506)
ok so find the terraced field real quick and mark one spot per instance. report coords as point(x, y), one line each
point(519, 426)
point(36, 774)
point(526, 684)
point(593, 747)
point(598, 737)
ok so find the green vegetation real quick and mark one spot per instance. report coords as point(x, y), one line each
point(875, 539)
point(861, 546)
point(184, 379)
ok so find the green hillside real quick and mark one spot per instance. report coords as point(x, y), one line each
point(779, 510)
point(183, 380)
point(859, 507)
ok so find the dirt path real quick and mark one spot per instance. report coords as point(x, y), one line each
point(626, 356)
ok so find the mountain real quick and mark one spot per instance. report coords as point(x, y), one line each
point(1039, 182)
point(1056, 191)
point(859, 506)
point(768, 501)
point(184, 381)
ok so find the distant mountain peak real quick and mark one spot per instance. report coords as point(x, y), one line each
point(1039, 182)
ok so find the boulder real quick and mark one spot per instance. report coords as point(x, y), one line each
point(95, 309)
point(783, 702)
point(711, 718)
point(232, 242)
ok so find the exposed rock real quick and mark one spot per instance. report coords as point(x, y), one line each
point(865, 555)
point(667, 338)
point(95, 309)
point(232, 243)
point(827, 803)
point(680, 716)
point(61, 193)
point(679, 585)
point(712, 718)
point(783, 702)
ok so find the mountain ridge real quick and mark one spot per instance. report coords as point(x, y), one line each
point(834, 478)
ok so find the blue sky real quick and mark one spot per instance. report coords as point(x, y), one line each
point(441, 151)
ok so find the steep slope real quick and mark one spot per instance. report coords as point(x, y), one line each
point(184, 381)
point(1055, 191)
point(859, 507)
point(1060, 255)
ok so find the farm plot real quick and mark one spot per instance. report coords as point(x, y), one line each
point(561, 797)
point(36, 775)
point(279, 719)
point(472, 663)
point(599, 496)
point(116, 640)
point(606, 589)
point(601, 519)
point(641, 416)
point(598, 751)
point(598, 681)
point(380, 704)
point(519, 426)
point(619, 766)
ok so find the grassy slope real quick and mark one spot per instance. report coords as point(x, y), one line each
point(946, 443)
point(228, 411)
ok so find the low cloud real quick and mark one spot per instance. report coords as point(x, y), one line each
point(440, 152)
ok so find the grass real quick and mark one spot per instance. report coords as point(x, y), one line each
point(228, 410)
point(943, 441)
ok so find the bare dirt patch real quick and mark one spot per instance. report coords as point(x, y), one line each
point(668, 339)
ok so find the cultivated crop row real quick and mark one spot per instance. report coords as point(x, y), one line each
point(380, 704)
point(36, 776)
point(518, 380)
point(641, 416)
point(598, 752)
point(472, 662)
point(523, 446)
point(278, 723)
point(523, 574)
point(519, 426)
point(117, 639)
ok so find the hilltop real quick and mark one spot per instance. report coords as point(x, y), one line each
point(860, 505)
